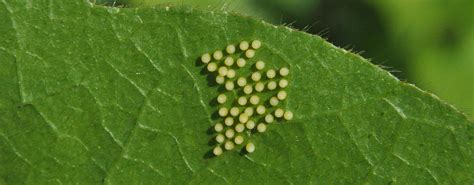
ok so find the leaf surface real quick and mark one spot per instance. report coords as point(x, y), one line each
point(106, 95)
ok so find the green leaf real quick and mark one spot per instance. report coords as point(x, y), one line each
point(106, 95)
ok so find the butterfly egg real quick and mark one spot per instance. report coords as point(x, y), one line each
point(218, 55)
point(238, 140)
point(241, 62)
point(217, 151)
point(218, 127)
point(244, 45)
point(229, 145)
point(242, 100)
point(284, 71)
point(250, 53)
point(261, 109)
point(250, 147)
point(283, 83)
point(229, 85)
point(222, 98)
point(281, 95)
point(259, 87)
point(220, 138)
point(271, 74)
point(223, 111)
point(230, 73)
point(222, 71)
point(211, 67)
point(279, 113)
point(249, 111)
point(243, 118)
point(241, 82)
point(248, 89)
point(288, 115)
point(261, 127)
point(260, 65)
point(256, 76)
point(230, 49)
point(234, 111)
point(229, 133)
point(228, 61)
point(206, 58)
point(273, 101)
point(239, 127)
point(254, 99)
point(229, 121)
point(272, 85)
point(269, 118)
point(220, 79)
point(250, 124)
point(256, 44)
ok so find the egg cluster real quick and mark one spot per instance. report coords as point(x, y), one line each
point(249, 102)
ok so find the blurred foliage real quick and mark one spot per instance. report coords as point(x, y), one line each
point(426, 42)
point(437, 38)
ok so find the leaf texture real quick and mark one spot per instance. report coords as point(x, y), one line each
point(106, 95)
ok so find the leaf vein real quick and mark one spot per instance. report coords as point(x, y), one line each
point(15, 151)
point(217, 175)
point(196, 86)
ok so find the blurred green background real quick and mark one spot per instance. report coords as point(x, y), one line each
point(429, 43)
